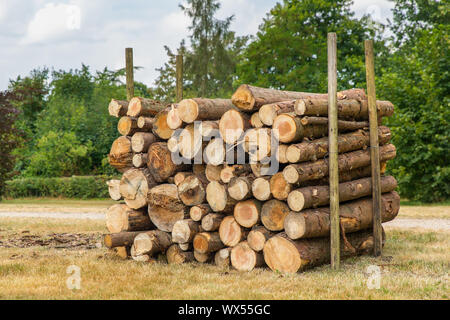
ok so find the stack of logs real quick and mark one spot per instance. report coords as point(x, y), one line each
point(205, 208)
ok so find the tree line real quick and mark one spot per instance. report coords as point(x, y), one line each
point(63, 127)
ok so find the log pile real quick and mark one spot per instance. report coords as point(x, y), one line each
point(243, 182)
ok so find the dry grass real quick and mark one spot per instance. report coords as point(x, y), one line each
point(425, 212)
point(418, 270)
point(55, 205)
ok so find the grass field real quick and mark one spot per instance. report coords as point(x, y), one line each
point(415, 266)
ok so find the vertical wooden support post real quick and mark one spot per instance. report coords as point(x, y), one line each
point(179, 75)
point(333, 151)
point(374, 147)
point(129, 69)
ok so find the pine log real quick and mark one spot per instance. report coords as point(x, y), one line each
point(118, 108)
point(232, 125)
point(172, 144)
point(295, 173)
point(273, 213)
point(230, 232)
point(180, 177)
point(281, 154)
point(288, 128)
point(222, 257)
point(145, 123)
point(185, 246)
point(165, 219)
point(354, 216)
point(121, 155)
point(144, 107)
point(173, 119)
point(151, 242)
point(134, 187)
point(140, 160)
point(261, 188)
point(260, 169)
point(190, 142)
point(211, 221)
point(183, 231)
point(209, 128)
point(199, 169)
point(317, 149)
point(141, 258)
point(166, 196)
point(190, 110)
point(268, 112)
point(160, 127)
point(257, 142)
point(199, 211)
point(141, 141)
point(113, 189)
point(121, 239)
point(202, 257)
point(215, 152)
point(120, 217)
point(244, 258)
point(313, 197)
point(279, 187)
point(212, 172)
point(207, 242)
point(285, 255)
point(192, 190)
point(127, 126)
point(258, 236)
point(160, 162)
point(218, 198)
point(248, 213)
point(177, 256)
point(240, 188)
point(343, 125)
point(228, 172)
point(255, 120)
point(347, 109)
point(122, 252)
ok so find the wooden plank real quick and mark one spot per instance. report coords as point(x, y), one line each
point(374, 147)
point(333, 151)
point(129, 72)
point(179, 77)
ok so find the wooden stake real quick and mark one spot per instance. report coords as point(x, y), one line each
point(129, 72)
point(374, 147)
point(333, 150)
point(179, 76)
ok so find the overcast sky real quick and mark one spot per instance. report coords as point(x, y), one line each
point(64, 34)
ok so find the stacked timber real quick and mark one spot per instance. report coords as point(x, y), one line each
point(243, 182)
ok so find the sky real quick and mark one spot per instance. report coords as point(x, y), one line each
point(63, 34)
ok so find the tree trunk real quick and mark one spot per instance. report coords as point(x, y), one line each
point(273, 213)
point(165, 219)
point(240, 188)
point(279, 187)
point(151, 242)
point(192, 191)
point(222, 257)
point(145, 123)
point(268, 112)
point(118, 108)
point(177, 256)
point(121, 218)
point(202, 257)
point(244, 258)
point(285, 255)
point(218, 199)
point(248, 213)
point(207, 242)
point(258, 236)
point(230, 232)
point(232, 125)
point(215, 153)
point(211, 221)
point(144, 107)
point(141, 141)
point(113, 189)
point(255, 120)
point(127, 126)
point(173, 118)
point(160, 127)
point(343, 125)
point(121, 155)
point(295, 173)
point(228, 172)
point(190, 110)
point(134, 187)
point(354, 216)
point(183, 231)
point(212, 172)
point(160, 162)
point(261, 188)
point(317, 149)
point(121, 239)
point(289, 128)
point(317, 196)
point(347, 109)
point(165, 196)
point(140, 160)
point(198, 212)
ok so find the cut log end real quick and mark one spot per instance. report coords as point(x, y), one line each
point(261, 189)
point(293, 154)
point(188, 110)
point(286, 128)
point(294, 225)
point(279, 187)
point(296, 200)
point(232, 125)
point(247, 213)
point(230, 231)
point(243, 258)
point(281, 255)
point(173, 120)
point(243, 98)
point(290, 174)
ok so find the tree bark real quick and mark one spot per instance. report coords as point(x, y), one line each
point(232, 125)
point(177, 256)
point(228, 172)
point(192, 191)
point(240, 188)
point(127, 126)
point(317, 149)
point(244, 258)
point(273, 213)
point(165, 219)
point(121, 239)
point(207, 242)
point(198, 212)
point(121, 155)
point(354, 216)
point(248, 213)
point(183, 231)
point(152, 242)
point(144, 107)
point(120, 217)
point(218, 199)
point(160, 162)
point(190, 110)
point(222, 257)
point(202, 257)
point(279, 187)
point(268, 112)
point(317, 196)
point(343, 125)
point(165, 196)
point(145, 123)
point(285, 255)
point(160, 127)
point(211, 221)
point(261, 188)
point(258, 236)
point(295, 173)
point(113, 189)
point(134, 187)
point(118, 108)
point(230, 232)
point(141, 141)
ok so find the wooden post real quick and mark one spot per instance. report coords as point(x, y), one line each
point(374, 147)
point(333, 150)
point(129, 72)
point(179, 75)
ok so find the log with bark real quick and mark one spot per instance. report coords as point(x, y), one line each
point(165, 219)
point(354, 216)
point(211, 222)
point(209, 128)
point(230, 171)
point(160, 127)
point(279, 187)
point(177, 256)
point(192, 190)
point(190, 110)
point(258, 236)
point(240, 188)
point(118, 108)
point(281, 153)
point(317, 196)
point(184, 231)
point(222, 257)
point(121, 156)
point(113, 189)
point(127, 126)
point(145, 123)
point(121, 239)
point(207, 242)
point(166, 196)
point(268, 112)
point(190, 142)
point(152, 242)
point(273, 213)
point(244, 258)
point(134, 187)
point(203, 257)
point(232, 125)
point(199, 211)
point(255, 121)
point(144, 107)
point(295, 173)
point(230, 232)
point(212, 172)
point(285, 255)
point(343, 125)
point(173, 118)
point(122, 252)
point(218, 198)
point(215, 152)
point(141, 141)
point(120, 217)
point(140, 160)
point(179, 177)
point(160, 162)
point(248, 213)
point(257, 143)
point(261, 188)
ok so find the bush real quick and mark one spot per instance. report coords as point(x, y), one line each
point(81, 187)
